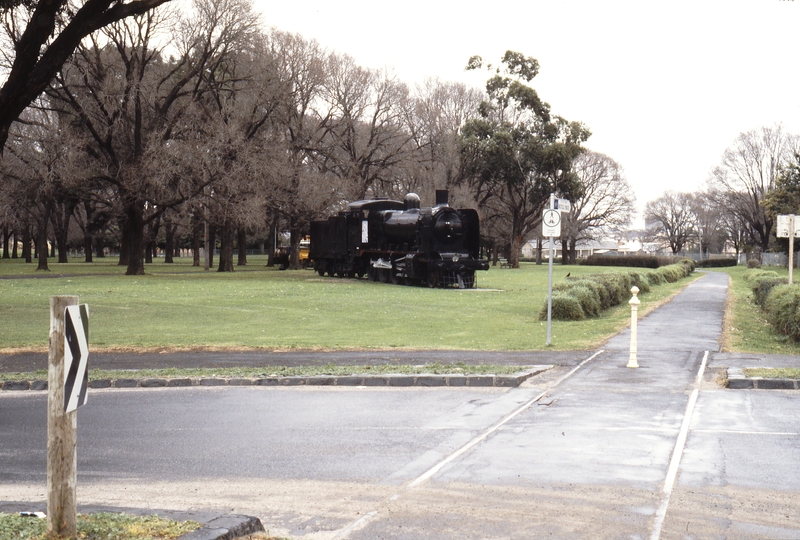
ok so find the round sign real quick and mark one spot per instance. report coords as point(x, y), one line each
point(552, 218)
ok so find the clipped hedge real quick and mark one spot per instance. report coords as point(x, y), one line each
point(762, 282)
point(565, 308)
point(587, 296)
point(782, 307)
point(632, 261)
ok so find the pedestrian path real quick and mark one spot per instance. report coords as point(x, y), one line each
point(608, 428)
point(692, 321)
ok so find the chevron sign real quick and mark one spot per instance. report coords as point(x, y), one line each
point(76, 353)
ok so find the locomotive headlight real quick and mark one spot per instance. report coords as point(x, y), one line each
point(455, 258)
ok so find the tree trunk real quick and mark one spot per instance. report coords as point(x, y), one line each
point(212, 244)
point(6, 238)
point(61, 216)
point(134, 214)
point(14, 254)
point(273, 230)
point(513, 255)
point(241, 241)
point(99, 248)
point(87, 247)
point(226, 248)
point(26, 243)
point(294, 247)
point(573, 255)
point(169, 241)
point(539, 250)
point(197, 232)
point(41, 244)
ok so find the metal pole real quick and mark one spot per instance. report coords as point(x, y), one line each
point(550, 280)
point(791, 247)
point(62, 461)
point(634, 303)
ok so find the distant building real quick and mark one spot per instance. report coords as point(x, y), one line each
point(584, 248)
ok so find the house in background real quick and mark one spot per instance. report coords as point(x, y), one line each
point(585, 248)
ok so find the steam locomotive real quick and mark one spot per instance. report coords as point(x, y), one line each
point(399, 242)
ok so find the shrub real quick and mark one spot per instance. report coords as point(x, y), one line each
point(763, 285)
point(754, 274)
point(655, 278)
point(587, 296)
point(671, 273)
point(565, 308)
point(782, 308)
point(590, 303)
point(640, 280)
point(753, 263)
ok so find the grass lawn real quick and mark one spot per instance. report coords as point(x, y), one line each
point(746, 328)
point(100, 526)
point(179, 306)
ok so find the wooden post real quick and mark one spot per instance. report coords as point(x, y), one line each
point(62, 462)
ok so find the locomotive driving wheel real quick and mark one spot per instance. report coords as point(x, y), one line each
point(433, 278)
point(383, 275)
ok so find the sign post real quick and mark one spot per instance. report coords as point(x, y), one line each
point(551, 227)
point(67, 378)
point(788, 229)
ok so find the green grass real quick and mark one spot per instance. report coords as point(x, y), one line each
point(746, 327)
point(281, 371)
point(178, 306)
point(773, 373)
point(105, 526)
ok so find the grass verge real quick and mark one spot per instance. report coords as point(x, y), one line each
point(746, 328)
point(281, 371)
point(104, 525)
point(180, 307)
point(773, 373)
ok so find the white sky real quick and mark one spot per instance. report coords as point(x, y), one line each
point(664, 87)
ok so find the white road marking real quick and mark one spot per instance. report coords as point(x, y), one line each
point(360, 522)
point(677, 453)
point(461, 451)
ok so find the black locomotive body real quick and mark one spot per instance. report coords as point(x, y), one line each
point(400, 242)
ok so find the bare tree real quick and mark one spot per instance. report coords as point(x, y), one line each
point(131, 102)
point(748, 171)
point(367, 134)
point(671, 220)
point(604, 201)
point(43, 35)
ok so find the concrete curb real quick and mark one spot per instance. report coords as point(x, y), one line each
point(225, 528)
point(393, 380)
point(738, 381)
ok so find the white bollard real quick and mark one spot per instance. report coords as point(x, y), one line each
point(634, 303)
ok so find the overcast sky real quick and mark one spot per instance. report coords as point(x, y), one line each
point(664, 87)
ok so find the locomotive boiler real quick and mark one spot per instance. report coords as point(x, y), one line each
point(399, 242)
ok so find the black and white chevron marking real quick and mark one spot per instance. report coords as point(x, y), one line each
point(76, 354)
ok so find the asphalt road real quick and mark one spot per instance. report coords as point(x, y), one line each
point(589, 449)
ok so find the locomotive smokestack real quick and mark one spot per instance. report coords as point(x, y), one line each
point(441, 197)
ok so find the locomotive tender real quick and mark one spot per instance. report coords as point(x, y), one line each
point(400, 242)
